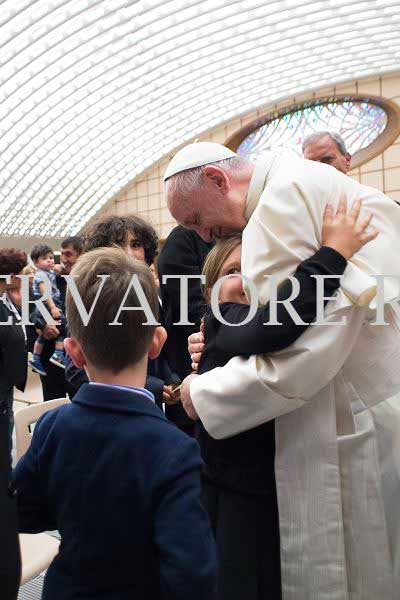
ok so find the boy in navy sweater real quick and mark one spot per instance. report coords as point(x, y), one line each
point(120, 483)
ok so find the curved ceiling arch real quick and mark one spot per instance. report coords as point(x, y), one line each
point(95, 91)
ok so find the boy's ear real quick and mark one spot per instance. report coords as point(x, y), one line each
point(158, 341)
point(74, 350)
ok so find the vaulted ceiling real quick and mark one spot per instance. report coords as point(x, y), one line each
point(93, 92)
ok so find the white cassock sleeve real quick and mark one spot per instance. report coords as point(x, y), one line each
point(284, 230)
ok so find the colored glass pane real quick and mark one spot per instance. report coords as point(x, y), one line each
point(359, 124)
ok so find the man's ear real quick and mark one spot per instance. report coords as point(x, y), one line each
point(158, 341)
point(217, 177)
point(348, 160)
point(74, 350)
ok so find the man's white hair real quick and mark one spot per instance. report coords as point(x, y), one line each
point(186, 183)
point(335, 137)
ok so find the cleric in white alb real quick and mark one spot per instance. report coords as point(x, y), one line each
point(335, 393)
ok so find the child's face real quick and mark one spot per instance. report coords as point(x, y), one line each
point(232, 288)
point(134, 248)
point(45, 262)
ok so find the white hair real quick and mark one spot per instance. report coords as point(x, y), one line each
point(185, 184)
point(335, 137)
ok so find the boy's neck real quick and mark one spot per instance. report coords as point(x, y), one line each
point(132, 376)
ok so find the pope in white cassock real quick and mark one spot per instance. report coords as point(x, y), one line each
point(335, 393)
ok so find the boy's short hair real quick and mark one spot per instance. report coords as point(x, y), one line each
point(40, 250)
point(111, 347)
point(113, 231)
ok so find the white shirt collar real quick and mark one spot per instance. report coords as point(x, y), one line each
point(126, 388)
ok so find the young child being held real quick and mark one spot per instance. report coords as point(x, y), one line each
point(109, 471)
point(43, 259)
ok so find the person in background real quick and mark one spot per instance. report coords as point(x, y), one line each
point(154, 272)
point(71, 249)
point(141, 531)
point(329, 148)
point(43, 259)
point(55, 385)
point(138, 239)
point(13, 353)
point(10, 566)
point(131, 233)
point(31, 332)
point(183, 253)
point(13, 372)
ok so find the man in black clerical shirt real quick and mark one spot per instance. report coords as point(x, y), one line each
point(183, 253)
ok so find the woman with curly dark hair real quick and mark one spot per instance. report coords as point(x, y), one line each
point(138, 239)
point(13, 370)
point(131, 233)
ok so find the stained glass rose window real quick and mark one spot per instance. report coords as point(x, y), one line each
point(358, 122)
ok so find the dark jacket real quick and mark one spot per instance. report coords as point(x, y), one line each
point(13, 371)
point(122, 485)
point(13, 353)
point(10, 566)
point(76, 377)
point(54, 384)
point(183, 253)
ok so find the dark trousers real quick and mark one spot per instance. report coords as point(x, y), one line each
point(6, 401)
point(246, 529)
point(54, 384)
point(10, 566)
point(176, 414)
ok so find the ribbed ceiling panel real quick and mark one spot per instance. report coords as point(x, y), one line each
point(94, 91)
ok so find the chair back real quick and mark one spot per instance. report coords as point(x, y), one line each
point(37, 552)
point(24, 417)
point(33, 393)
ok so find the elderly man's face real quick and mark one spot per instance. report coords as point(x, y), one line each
point(215, 211)
point(209, 219)
point(325, 150)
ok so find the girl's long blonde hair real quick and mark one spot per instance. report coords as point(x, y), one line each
point(215, 260)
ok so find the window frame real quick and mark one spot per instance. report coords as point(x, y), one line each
point(383, 141)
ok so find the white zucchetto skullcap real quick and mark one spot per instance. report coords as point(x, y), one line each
point(197, 155)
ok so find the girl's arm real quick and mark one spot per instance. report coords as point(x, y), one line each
point(256, 338)
point(343, 234)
